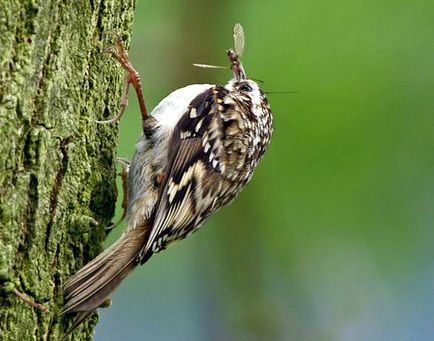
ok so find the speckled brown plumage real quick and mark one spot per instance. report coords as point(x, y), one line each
point(215, 147)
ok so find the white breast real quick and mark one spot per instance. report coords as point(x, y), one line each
point(170, 109)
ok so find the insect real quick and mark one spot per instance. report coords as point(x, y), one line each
point(199, 148)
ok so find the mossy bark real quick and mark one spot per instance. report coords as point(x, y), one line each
point(57, 165)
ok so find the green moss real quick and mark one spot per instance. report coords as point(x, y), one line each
point(57, 169)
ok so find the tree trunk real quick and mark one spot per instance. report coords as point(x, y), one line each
point(57, 165)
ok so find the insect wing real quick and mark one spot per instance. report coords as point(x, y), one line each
point(238, 39)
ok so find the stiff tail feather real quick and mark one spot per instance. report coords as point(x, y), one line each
point(85, 291)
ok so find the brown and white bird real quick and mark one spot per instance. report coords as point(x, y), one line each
point(199, 148)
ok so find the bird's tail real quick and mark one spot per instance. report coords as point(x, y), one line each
point(90, 286)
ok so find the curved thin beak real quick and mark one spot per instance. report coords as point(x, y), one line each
point(239, 72)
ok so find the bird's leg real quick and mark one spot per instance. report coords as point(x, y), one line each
point(119, 52)
point(124, 175)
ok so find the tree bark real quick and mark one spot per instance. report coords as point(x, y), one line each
point(57, 165)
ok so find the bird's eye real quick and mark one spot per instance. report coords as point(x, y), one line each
point(245, 87)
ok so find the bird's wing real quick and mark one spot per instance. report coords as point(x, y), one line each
point(193, 179)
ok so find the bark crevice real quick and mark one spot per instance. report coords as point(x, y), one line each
point(57, 187)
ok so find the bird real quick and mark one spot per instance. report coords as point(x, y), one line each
point(198, 150)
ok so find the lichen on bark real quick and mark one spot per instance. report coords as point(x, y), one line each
point(57, 165)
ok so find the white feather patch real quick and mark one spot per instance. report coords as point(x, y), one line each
point(171, 108)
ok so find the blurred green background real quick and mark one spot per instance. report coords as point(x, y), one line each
point(333, 239)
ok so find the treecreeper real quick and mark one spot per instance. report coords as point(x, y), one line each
point(199, 148)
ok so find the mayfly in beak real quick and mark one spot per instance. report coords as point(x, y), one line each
point(233, 54)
